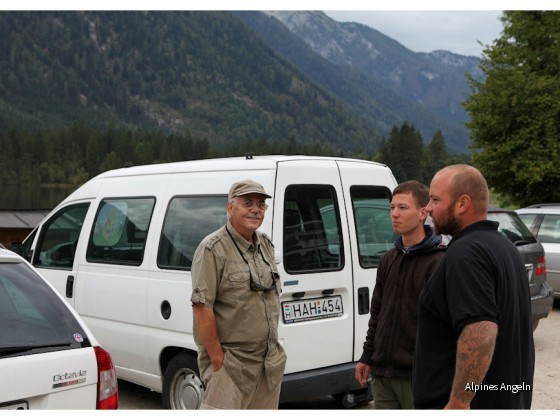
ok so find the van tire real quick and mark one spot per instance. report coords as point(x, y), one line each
point(182, 387)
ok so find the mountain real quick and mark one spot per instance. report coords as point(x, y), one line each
point(431, 86)
point(227, 77)
point(206, 73)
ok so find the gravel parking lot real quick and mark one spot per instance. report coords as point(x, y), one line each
point(547, 370)
point(545, 392)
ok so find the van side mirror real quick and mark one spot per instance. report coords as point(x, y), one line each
point(16, 247)
point(19, 249)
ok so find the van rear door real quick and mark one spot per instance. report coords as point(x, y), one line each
point(317, 319)
point(367, 191)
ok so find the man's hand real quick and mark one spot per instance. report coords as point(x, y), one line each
point(362, 373)
point(208, 331)
point(456, 404)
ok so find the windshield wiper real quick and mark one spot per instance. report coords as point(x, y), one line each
point(11, 349)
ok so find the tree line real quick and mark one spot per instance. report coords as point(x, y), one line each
point(405, 152)
point(74, 154)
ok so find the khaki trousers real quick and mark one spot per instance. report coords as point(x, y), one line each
point(222, 393)
point(392, 393)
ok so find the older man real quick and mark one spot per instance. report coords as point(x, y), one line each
point(236, 308)
point(475, 343)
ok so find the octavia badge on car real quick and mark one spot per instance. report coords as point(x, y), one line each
point(69, 378)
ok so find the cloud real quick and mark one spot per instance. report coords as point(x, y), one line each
point(426, 31)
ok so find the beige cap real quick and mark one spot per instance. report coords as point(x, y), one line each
point(246, 186)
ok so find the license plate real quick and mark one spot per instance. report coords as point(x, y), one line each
point(310, 309)
point(20, 405)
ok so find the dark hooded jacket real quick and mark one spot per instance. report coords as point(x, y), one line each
point(391, 335)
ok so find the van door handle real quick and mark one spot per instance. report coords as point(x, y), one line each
point(70, 286)
point(363, 300)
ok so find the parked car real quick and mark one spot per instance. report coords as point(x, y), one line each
point(48, 357)
point(544, 222)
point(533, 255)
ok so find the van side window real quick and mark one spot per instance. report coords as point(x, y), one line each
point(57, 244)
point(372, 215)
point(312, 234)
point(120, 230)
point(187, 222)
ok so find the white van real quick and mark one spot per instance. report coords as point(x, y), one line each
point(120, 249)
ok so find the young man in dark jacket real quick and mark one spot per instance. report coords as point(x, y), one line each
point(391, 337)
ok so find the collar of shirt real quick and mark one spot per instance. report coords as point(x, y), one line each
point(243, 244)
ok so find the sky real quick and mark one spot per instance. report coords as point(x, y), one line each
point(460, 32)
point(458, 26)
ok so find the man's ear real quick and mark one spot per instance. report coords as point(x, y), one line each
point(463, 204)
point(423, 214)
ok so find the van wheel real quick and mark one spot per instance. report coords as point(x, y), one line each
point(182, 387)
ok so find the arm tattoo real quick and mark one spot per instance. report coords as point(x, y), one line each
point(475, 349)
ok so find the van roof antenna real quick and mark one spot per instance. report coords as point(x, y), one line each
point(248, 155)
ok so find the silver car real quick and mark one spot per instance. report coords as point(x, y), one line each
point(48, 357)
point(544, 222)
point(533, 255)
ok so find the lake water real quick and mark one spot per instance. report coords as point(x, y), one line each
point(32, 197)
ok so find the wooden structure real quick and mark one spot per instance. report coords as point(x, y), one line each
point(16, 224)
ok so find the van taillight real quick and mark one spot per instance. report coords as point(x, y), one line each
point(541, 266)
point(107, 387)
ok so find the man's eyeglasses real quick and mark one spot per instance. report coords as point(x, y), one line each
point(248, 204)
point(256, 287)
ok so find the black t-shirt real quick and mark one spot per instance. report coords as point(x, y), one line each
point(481, 277)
